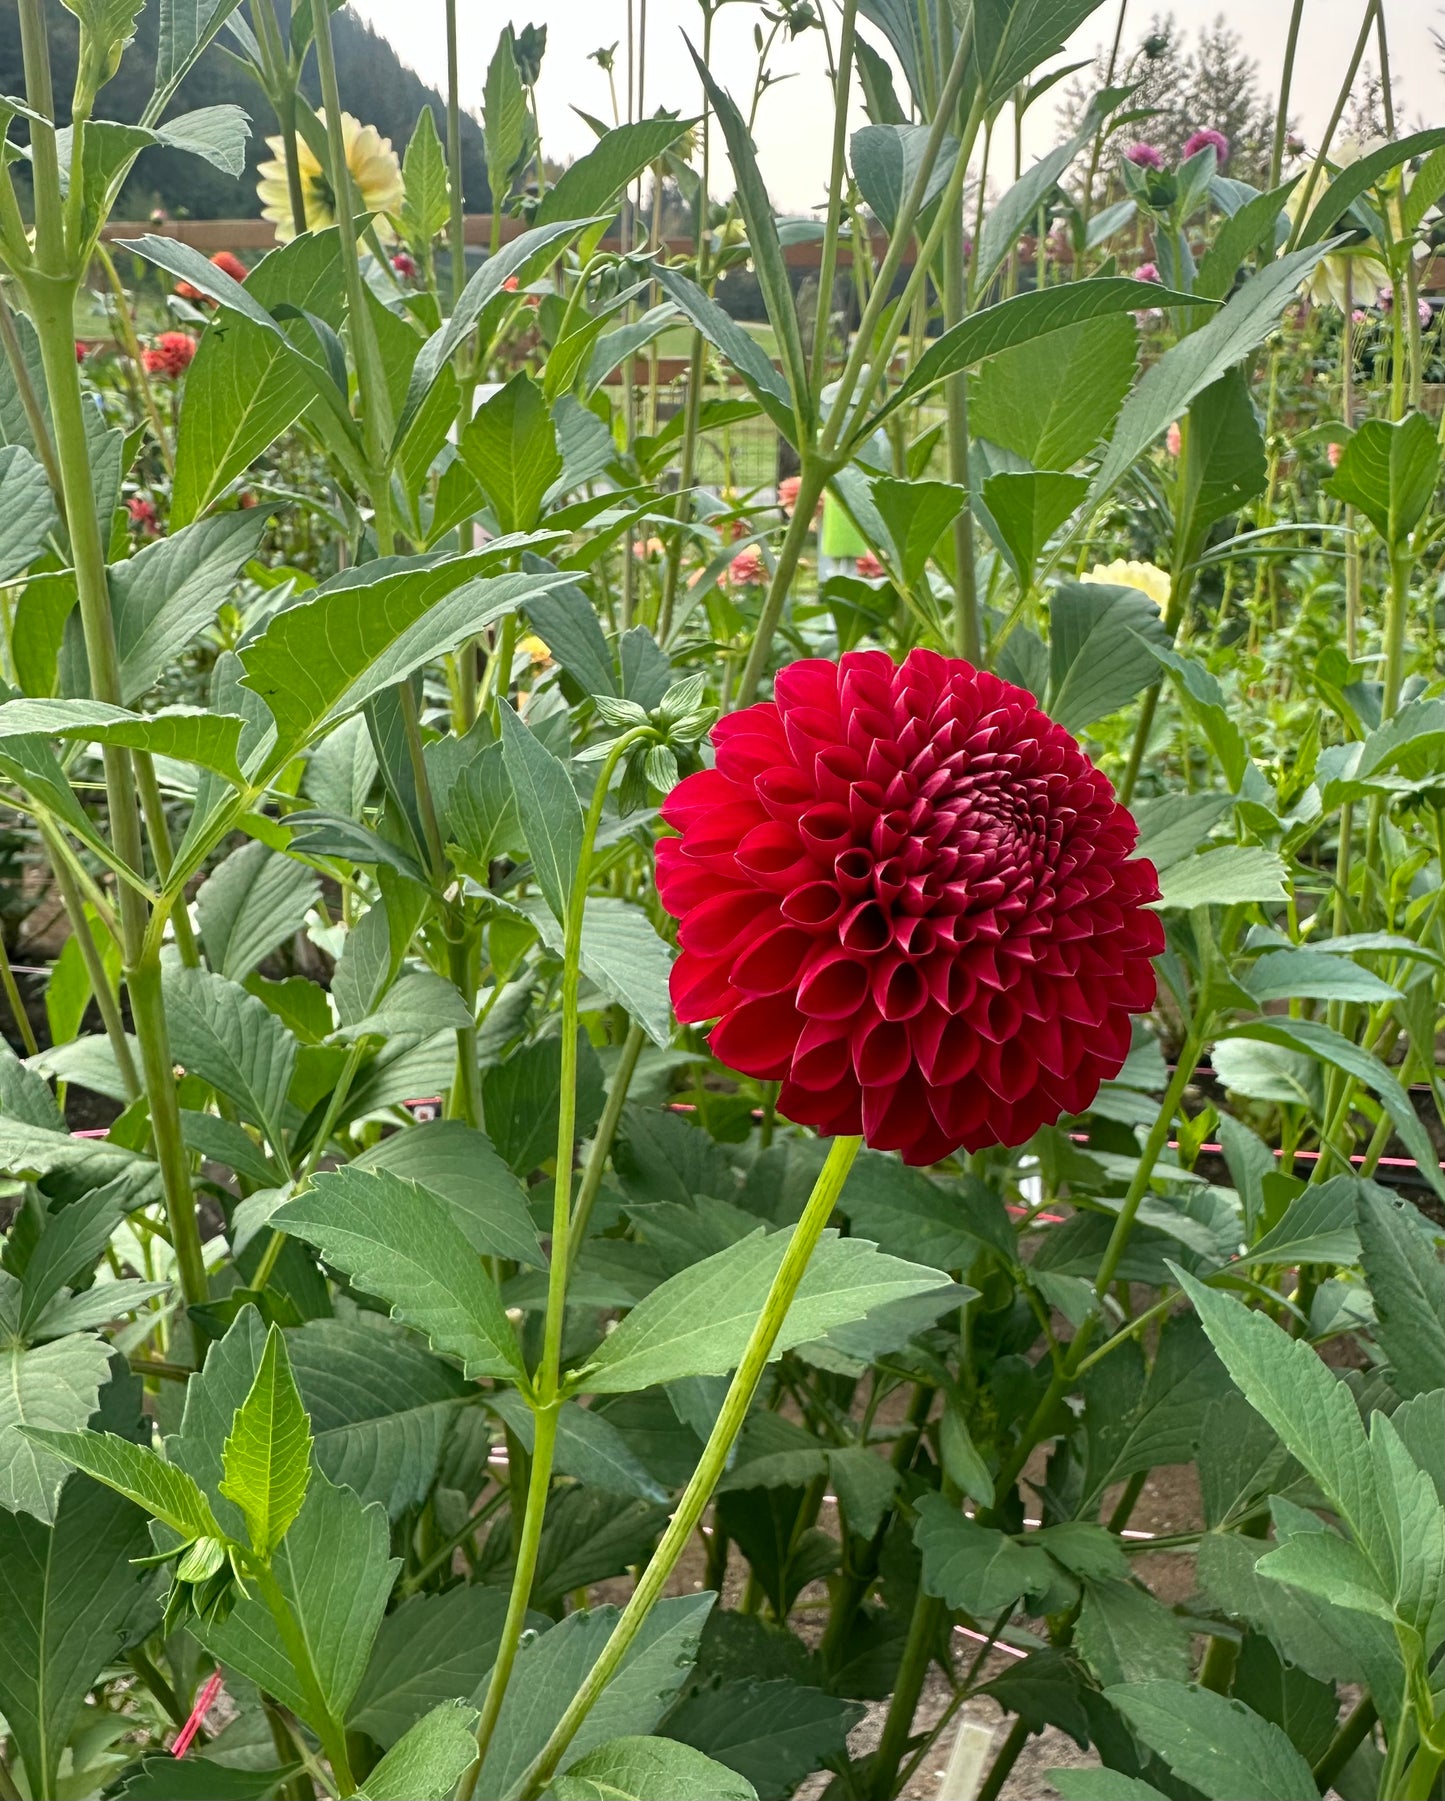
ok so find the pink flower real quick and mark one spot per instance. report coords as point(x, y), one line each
point(171, 356)
point(404, 265)
point(1147, 272)
point(788, 489)
point(1422, 307)
point(1144, 156)
point(1359, 316)
point(143, 515)
point(510, 285)
point(1172, 439)
point(869, 567)
point(1334, 452)
point(747, 569)
point(1208, 138)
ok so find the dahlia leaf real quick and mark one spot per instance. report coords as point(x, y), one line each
point(1024, 507)
point(1232, 875)
point(1326, 1045)
point(697, 1323)
point(1218, 1746)
point(1407, 1285)
point(1360, 176)
point(551, 813)
point(1099, 655)
point(27, 511)
point(1052, 401)
point(886, 160)
point(624, 956)
point(1389, 471)
point(428, 1761)
point(188, 734)
point(397, 1240)
point(267, 1458)
point(510, 446)
point(634, 1769)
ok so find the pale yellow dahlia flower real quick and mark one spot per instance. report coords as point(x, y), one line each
point(375, 174)
point(1148, 578)
point(1348, 278)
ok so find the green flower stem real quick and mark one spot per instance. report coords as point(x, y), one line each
point(711, 1464)
point(25, 388)
point(465, 1100)
point(298, 1653)
point(456, 220)
point(159, 832)
point(1397, 611)
point(966, 640)
point(125, 324)
point(543, 1446)
point(106, 1000)
point(837, 174)
point(16, 1005)
point(546, 1388)
point(1067, 1372)
point(602, 1143)
point(812, 479)
point(912, 1673)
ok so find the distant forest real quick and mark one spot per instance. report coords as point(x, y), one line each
point(374, 84)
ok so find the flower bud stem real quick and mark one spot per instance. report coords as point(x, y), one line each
point(711, 1464)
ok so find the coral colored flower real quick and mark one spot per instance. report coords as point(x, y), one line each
point(82, 350)
point(171, 355)
point(510, 285)
point(1206, 139)
point(143, 515)
point(645, 549)
point(788, 490)
point(405, 265)
point(869, 567)
point(1147, 272)
point(747, 569)
point(227, 262)
point(1172, 438)
point(907, 895)
point(375, 174)
point(1144, 156)
point(1148, 578)
point(246, 500)
point(1334, 452)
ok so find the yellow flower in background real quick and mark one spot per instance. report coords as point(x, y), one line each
point(375, 174)
point(535, 649)
point(1344, 279)
point(1148, 578)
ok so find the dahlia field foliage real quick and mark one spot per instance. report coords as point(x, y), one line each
point(734, 1090)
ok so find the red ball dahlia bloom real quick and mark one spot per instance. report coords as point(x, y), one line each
point(171, 356)
point(906, 894)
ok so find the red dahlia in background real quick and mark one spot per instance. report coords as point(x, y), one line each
point(907, 895)
point(171, 355)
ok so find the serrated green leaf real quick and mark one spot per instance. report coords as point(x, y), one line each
point(550, 811)
point(65, 1591)
point(697, 1323)
point(54, 1386)
point(233, 1041)
point(188, 734)
point(1389, 470)
point(635, 1769)
point(624, 956)
point(27, 510)
point(429, 1761)
point(1099, 656)
point(267, 1458)
point(1233, 875)
point(167, 1493)
point(398, 1241)
point(1407, 1285)
point(1216, 1745)
point(430, 1649)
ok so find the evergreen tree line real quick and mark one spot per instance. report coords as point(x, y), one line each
point(375, 85)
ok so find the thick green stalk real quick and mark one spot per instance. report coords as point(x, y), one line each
point(912, 1673)
point(711, 1464)
point(52, 287)
point(298, 1653)
point(465, 1101)
point(1397, 609)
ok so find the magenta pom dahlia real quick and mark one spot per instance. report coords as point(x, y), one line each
point(1208, 138)
point(907, 895)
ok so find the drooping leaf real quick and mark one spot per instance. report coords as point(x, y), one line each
point(188, 734)
point(54, 1386)
point(1099, 655)
point(1025, 507)
point(166, 1492)
point(772, 1732)
point(431, 1649)
point(977, 1568)
point(65, 1591)
point(624, 956)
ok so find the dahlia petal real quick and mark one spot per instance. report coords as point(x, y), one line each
point(717, 926)
point(771, 963)
point(700, 988)
point(833, 987)
point(757, 1038)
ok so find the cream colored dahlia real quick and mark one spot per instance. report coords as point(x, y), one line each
point(1148, 578)
point(375, 174)
point(1345, 278)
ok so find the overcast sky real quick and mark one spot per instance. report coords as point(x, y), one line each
point(794, 122)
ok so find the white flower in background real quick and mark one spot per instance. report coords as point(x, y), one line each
point(375, 174)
